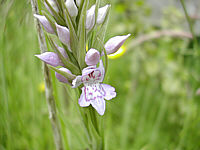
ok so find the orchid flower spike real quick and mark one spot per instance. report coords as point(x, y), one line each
point(114, 43)
point(102, 12)
point(92, 57)
point(90, 18)
point(45, 23)
point(71, 7)
point(94, 92)
point(53, 5)
point(78, 3)
point(50, 58)
point(63, 35)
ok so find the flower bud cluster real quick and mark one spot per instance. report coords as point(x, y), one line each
point(77, 26)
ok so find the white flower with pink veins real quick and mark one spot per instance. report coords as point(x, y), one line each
point(94, 92)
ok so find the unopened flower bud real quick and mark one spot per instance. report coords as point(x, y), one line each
point(50, 58)
point(90, 18)
point(92, 57)
point(63, 35)
point(53, 5)
point(45, 23)
point(71, 7)
point(114, 43)
point(62, 78)
point(62, 51)
point(102, 12)
point(78, 3)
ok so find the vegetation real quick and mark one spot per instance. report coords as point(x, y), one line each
point(157, 81)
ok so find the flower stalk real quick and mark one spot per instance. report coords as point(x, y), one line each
point(48, 85)
point(189, 21)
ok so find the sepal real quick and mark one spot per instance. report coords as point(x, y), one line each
point(90, 18)
point(78, 3)
point(102, 12)
point(63, 35)
point(60, 77)
point(67, 75)
point(50, 58)
point(45, 23)
point(92, 57)
point(71, 7)
point(114, 43)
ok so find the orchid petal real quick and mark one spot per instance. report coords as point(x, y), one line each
point(102, 70)
point(113, 44)
point(102, 14)
point(110, 91)
point(50, 58)
point(45, 23)
point(62, 78)
point(92, 57)
point(88, 70)
point(71, 7)
point(63, 34)
point(82, 101)
point(90, 18)
point(76, 82)
point(78, 3)
point(99, 104)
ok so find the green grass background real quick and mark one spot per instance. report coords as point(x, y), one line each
point(156, 107)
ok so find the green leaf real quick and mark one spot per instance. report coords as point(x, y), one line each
point(69, 76)
point(64, 132)
point(79, 12)
point(96, 139)
point(96, 10)
point(82, 37)
point(56, 16)
point(59, 4)
point(71, 56)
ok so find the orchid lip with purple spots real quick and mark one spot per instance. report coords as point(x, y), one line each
point(94, 92)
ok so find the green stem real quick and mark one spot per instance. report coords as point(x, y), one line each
point(189, 23)
point(185, 129)
point(5, 99)
point(94, 127)
point(60, 113)
point(93, 118)
point(48, 84)
point(160, 116)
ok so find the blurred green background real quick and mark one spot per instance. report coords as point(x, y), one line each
point(156, 108)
